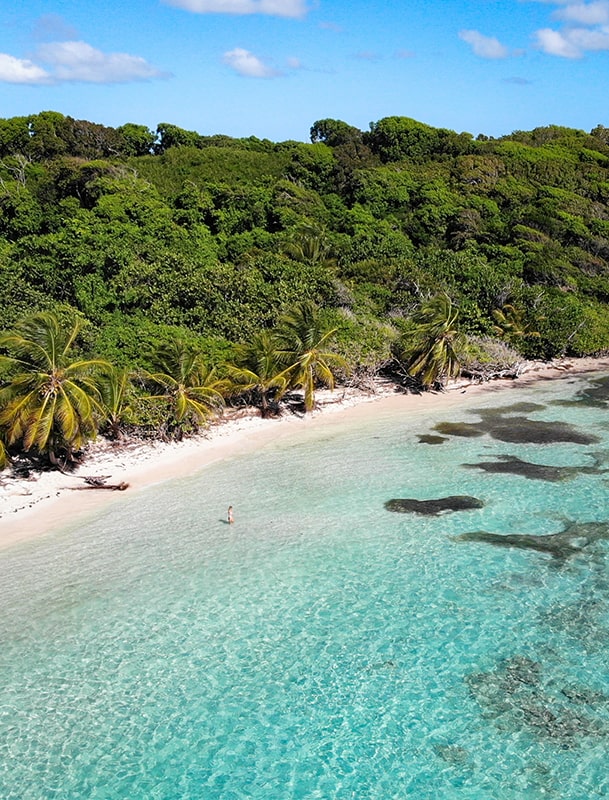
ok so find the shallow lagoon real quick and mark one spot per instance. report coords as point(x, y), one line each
point(324, 646)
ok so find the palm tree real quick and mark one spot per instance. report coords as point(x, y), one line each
point(304, 340)
point(512, 323)
point(191, 388)
point(438, 343)
point(4, 458)
point(114, 386)
point(309, 243)
point(258, 368)
point(48, 403)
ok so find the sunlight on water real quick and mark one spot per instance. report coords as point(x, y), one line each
point(324, 646)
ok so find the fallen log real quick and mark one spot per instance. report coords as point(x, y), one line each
point(96, 480)
point(112, 487)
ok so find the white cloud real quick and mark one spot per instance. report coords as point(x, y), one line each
point(572, 42)
point(248, 65)
point(585, 29)
point(585, 13)
point(554, 43)
point(66, 62)
point(78, 61)
point(21, 70)
point(484, 46)
point(295, 63)
point(597, 39)
point(274, 8)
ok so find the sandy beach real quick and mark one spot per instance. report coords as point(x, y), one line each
point(37, 505)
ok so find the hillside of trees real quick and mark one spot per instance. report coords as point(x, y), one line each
point(142, 238)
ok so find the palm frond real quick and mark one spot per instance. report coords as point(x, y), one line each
point(49, 401)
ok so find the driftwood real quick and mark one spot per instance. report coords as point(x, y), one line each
point(485, 373)
point(112, 487)
point(96, 480)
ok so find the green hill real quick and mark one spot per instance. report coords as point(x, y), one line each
point(153, 234)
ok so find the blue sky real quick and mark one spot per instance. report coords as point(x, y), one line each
point(271, 68)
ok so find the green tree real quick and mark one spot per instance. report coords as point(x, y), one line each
point(438, 344)
point(169, 135)
point(334, 132)
point(116, 397)
point(49, 403)
point(399, 138)
point(192, 390)
point(511, 323)
point(47, 135)
point(257, 368)
point(89, 140)
point(305, 341)
point(309, 244)
point(137, 140)
point(14, 136)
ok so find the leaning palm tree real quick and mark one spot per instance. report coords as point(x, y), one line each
point(304, 341)
point(49, 402)
point(438, 345)
point(187, 384)
point(257, 368)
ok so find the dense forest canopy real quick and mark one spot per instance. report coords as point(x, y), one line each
point(148, 237)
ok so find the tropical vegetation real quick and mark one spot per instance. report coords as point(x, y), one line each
point(147, 278)
point(49, 400)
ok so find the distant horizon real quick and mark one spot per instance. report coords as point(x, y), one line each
point(271, 68)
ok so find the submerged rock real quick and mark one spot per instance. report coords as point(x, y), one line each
point(503, 425)
point(583, 695)
point(467, 430)
point(451, 753)
point(584, 620)
point(428, 438)
point(432, 508)
point(522, 430)
point(523, 541)
point(515, 408)
point(383, 665)
point(575, 537)
point(595, 395)
point(512, 465)
point(522, 669)
point(514, 696)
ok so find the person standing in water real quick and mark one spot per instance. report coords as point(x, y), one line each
point(229, 516)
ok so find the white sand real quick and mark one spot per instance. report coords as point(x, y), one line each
point(32, 507)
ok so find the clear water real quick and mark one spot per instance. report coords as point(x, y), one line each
point(322, 646)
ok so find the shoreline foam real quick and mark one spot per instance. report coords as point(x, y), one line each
point(32, 507)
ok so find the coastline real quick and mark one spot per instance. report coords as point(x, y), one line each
point(36, 506)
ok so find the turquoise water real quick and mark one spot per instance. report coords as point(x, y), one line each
point(324, 646)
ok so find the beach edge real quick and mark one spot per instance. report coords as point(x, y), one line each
point(34, 507)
